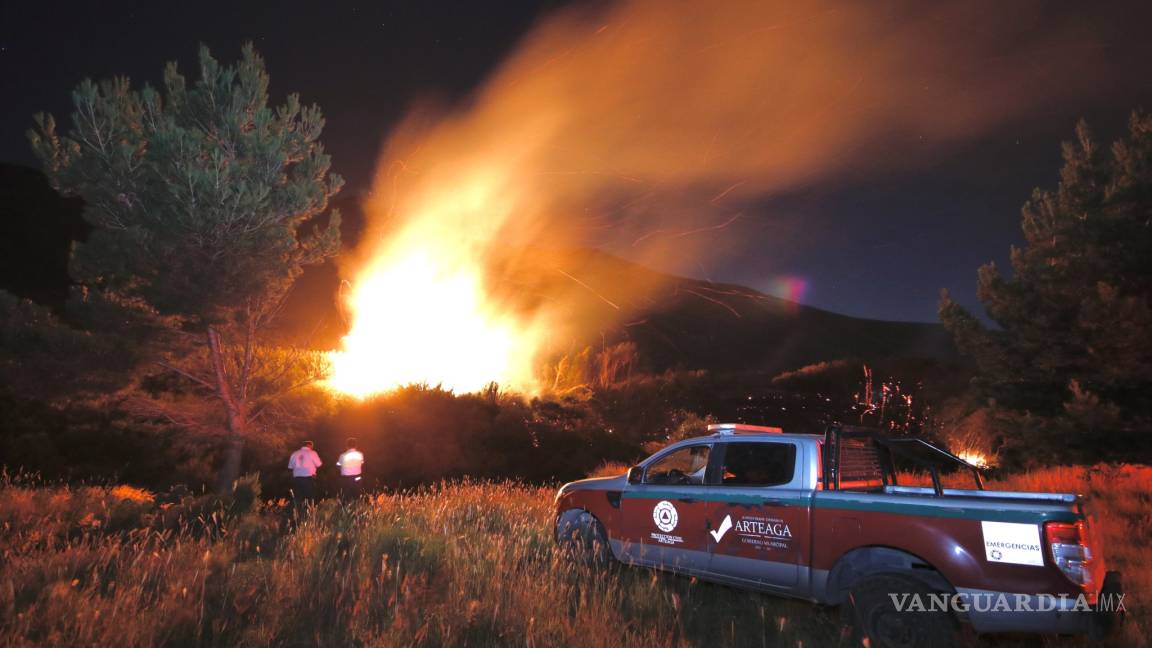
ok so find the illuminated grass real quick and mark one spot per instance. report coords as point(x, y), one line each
point(463, 564)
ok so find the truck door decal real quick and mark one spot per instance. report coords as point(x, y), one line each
point(666, 518)
point(718, 534)
point(764, 531)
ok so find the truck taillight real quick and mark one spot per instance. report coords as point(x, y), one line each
point(1069, 552)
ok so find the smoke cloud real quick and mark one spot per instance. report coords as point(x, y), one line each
point(671, 102)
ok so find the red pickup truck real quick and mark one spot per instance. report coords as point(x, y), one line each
point(822, 518)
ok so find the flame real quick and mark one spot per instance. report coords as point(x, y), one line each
point(421, 318)
point(976, 458)
point(421, 306)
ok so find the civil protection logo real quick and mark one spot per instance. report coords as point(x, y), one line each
point(665, 516)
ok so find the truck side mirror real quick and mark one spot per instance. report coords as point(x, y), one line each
point(635, 475)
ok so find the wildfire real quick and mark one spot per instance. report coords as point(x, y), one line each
point(640, 126)
point(422, 316)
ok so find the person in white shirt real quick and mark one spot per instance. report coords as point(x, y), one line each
point(351, 470)
point(303, 464)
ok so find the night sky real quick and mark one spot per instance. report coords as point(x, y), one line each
point(873, 242)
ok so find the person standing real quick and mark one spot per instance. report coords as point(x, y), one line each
point(303, 464)
point(351, 470)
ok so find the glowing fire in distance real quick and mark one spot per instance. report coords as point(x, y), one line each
point(420, 319)
point(976, 458)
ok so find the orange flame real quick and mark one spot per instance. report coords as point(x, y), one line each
point(976, 458)
point(419, 319)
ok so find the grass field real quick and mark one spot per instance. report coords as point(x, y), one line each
point(460, 564)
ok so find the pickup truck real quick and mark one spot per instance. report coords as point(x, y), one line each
point(823, 518)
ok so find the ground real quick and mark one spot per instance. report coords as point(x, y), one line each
point(459, 564)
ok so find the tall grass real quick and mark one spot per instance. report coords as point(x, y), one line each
point(1120, 514)
point(460, 564)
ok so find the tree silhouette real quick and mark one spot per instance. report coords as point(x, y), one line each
point(203, 201)
point(1072, 322)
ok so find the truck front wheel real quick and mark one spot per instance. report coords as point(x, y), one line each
point(581, 536)
point(883, 611)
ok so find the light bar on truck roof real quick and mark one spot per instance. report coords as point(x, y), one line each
point(742, 428)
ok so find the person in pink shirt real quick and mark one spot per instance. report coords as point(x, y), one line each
point(303, 464)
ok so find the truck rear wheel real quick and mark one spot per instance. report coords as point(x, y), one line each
point(581, 535)
point(877, 615)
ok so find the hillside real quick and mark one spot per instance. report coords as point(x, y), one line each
point(684, 323)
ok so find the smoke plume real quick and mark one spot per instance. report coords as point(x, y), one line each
point(647, 126)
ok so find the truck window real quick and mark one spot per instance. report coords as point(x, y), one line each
point(758, 464)
point(860, 466)
point(683, 466)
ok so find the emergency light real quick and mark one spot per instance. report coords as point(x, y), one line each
point(742, 428)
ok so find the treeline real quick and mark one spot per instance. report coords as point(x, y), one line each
point(411, 436)
point(420, 434)
point(1064, 374)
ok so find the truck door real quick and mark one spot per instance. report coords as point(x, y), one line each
point(758, 516)
point(664, 514)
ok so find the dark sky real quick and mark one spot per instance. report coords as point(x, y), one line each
point(873, 244)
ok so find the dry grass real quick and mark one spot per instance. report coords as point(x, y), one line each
point(610, 469)
point(464, 564)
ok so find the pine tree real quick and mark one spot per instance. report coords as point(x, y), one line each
point(202, 198)
point(1074, 319)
